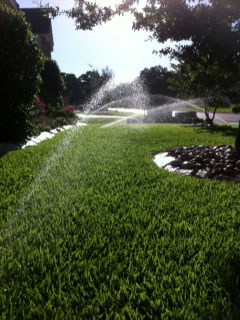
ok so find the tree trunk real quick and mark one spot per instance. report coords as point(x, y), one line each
point(209, 121)
point(237, 141)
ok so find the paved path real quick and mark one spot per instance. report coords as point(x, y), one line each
point(92, 116)
point(222, 118)
point(128, 110)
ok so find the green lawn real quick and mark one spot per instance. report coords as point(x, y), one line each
point(92, 229)
point(219, 110)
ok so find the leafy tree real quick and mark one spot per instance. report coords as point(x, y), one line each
point(72, 88)
point(106, 75)
point(209, 63)
point(213, 83)
point(20, 64)
point(155, 79)
point(92, 81)
point(52, 85)
point(80, 90)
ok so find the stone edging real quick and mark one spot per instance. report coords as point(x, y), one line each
point(33, 141)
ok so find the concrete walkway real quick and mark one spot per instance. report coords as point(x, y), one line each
point(96, 116)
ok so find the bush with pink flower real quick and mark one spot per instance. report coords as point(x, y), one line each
point(69, 109)
point(40, 107)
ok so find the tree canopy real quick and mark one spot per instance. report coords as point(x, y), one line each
point(206, 30)
point(52, 85)
point(72, 88)
point(211, 28)
point(206, 34)
point(155, 80)
point(79, 90)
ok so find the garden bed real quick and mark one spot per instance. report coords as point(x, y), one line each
point(218, 162)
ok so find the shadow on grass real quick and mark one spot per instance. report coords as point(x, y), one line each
point(230, 280)
point(9, 147)
point(225, 130)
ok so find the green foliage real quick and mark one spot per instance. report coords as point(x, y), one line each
point(236, 109)
point(72, 88)
point(174, 20)
point(206, 34)
point(101, 232)
point(52, 85)
point(20, 65)
point(79, 90)
point(54, 120)
point(214, 83)
point(209, 54)
point(92, 81)
point(155, 79)
point(215, 40)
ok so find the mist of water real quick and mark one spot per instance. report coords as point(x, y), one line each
point(127, 95)
point(110, 95)
point(133, 96)
point(96, 102)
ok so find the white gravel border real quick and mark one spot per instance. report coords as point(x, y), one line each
point(162, 160)
point(33, 141)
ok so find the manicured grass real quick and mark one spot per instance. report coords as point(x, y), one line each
point(226, 109)
point(189, 109)
point(219, 110)
point(99, 120)
point(103, 233)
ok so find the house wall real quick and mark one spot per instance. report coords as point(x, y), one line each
point(45, 40)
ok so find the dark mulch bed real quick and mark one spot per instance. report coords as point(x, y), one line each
point(219, 162)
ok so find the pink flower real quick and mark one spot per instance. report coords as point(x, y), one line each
point(40, 104)
point(69, 109)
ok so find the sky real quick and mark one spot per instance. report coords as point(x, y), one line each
point(113, 44)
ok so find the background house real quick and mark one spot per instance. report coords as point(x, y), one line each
point(41, 25)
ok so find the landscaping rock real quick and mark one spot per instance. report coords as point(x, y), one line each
point(185, 157)
point(175, 163)
point(33, 141)
point(238, 164)
point(188, 165)
point(218, 162)
point(202, 174)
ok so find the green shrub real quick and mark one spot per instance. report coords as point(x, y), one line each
point(236, 109)
point(20, 64)
point(65, 114)
point(52, 86)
